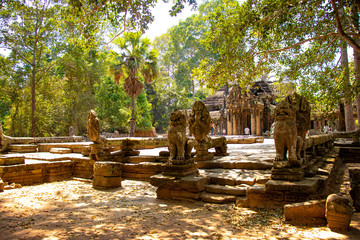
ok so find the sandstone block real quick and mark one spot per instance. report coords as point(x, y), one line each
point(2, 185)
point(11, 159)
point(217, 198)
point(339, 211)
point(193, 183)
point(103, 182)
point(162, 181)
point(230, 190)
point(245, 179)
point(60, 150)
point(261, 193)
point(306, 213)
point(208, 164)
point(139, 159)
point(163, 193)
point(108, 169)
point(184, 195)
point(253, 165)
point(22, 148)
point(308, 185)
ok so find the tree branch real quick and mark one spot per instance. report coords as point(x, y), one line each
point(297, 44)
point(117, 35)
point(341, 32)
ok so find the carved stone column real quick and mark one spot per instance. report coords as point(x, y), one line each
point(253, 122)
point(258, 123)
point(229, 122)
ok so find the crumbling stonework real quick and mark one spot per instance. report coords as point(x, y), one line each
point(199, 121)
point(339, 211)
point(93, 127)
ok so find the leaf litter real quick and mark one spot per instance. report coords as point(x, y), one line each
point(74, 210)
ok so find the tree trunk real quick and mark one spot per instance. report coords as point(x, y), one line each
point(33, 103)
point(349, 115)
point(193, 90)
point(341, 125)
point(355, 23)
point(132, 120)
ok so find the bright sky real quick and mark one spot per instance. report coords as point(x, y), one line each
point(163, 21)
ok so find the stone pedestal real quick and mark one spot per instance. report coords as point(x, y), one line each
point(202, 151)
point(339, 211)
point(290, 174)
point(184, 188)
point(107, 175)
point(180, 168)
point(95, 150)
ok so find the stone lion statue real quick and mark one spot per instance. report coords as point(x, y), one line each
point(199, 121)
point(285, 135)
point(303, 122)
point(177, 135)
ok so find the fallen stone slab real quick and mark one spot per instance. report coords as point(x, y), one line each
point(60, 150)
point(177, 194)
point(306, 213)
point(217, 198)
point(229, 190)
point(308, 185)
point(22, 148)
point(208, 164)
point(76, 147)
point(245, 179)
point(12, 159)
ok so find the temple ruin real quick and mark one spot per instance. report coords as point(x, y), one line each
point(233, 109)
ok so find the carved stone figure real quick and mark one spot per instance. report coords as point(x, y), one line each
point(199, 121)
point(177, 135)
point(285, 135)
point(303, 122)
point(71, 131)
point(93, 127)
point(339, 211)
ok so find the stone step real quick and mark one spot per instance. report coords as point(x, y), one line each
point(60, 150)
point(11, 159)
point(217, 198)
point(22, 148)
point(229, 190)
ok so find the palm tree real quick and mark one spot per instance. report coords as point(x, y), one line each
point(137, 63)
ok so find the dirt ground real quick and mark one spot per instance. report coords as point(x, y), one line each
point(74, 210)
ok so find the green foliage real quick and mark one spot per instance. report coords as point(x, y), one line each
point(296, 41)
point(81, 70)
point(56, 68)
point(113, 106)
point(143, 113)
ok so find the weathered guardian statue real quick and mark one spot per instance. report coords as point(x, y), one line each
point(199, 121)
point(292, 120)
point(177, 135)
point(285, 135)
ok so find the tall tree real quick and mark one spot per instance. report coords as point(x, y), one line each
point(138, 64)
point(295, 40)
point(29, 30)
